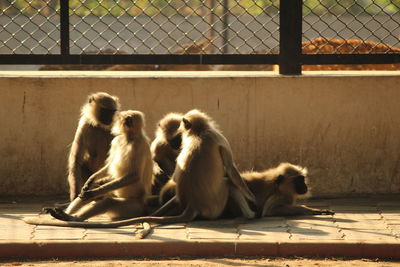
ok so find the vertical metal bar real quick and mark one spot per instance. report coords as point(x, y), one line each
point(290, 21)
point(225, 29)
point(64, 27)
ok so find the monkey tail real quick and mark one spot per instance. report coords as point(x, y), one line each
point(188, 215)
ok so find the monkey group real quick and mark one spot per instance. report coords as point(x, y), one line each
point(187, 172)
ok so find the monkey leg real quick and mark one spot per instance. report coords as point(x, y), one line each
point(152, 200)
point(115, 208)
point(62, 205)
point(75, 205)
point(122, 208)
point(238, 197)
point(171, 207)
point(60, 214)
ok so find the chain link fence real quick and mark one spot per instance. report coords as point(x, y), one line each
point(374, 23)
point(216, 27)
point(140, 27)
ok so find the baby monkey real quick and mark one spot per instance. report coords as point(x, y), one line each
point(165, 148)
point(277, 189)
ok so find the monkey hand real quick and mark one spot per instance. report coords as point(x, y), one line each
point(87, 194)
point(327, 212)
point(87, 185)
point(322, 212)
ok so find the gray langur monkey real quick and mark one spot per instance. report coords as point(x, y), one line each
point(205, 176)
point(165, 148)
point(277, 189)
point(92, 140)
point(121, 187)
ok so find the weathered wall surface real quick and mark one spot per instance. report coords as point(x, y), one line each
point(344, 128)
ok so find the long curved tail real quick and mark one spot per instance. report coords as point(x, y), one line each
point(188, 215)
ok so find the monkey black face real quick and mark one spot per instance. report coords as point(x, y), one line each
point(176, 141)
point(106, 115)
point(300, 185)
point(298, 182)
point(187, 124)
point(128, 122)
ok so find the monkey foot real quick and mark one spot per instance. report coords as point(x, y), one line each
point(323, 212)
point(328, 212)
point(47, 209)
point(59, 214)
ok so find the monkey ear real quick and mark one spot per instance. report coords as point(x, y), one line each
point(91, 99)
point(279, 179)
point(187, 124)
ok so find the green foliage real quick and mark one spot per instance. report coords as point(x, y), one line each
point(192, 7)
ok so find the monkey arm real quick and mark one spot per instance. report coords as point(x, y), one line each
point(110, 186)
point(75, 162)
point(287, 210)
point(104, 180)
point(75, 158)
point(233, 173)
point(95, 176)
point(166, 165)
point(241, 202)
point(132, 177)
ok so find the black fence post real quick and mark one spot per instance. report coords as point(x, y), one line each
point(64, 27)
point(290, 20)
point(225, 28)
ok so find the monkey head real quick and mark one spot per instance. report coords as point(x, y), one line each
point(101, 108)
point(129, 121)
point(292, 180)
point(196, 122)
point(169, 128)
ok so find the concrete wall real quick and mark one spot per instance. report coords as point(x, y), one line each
point(344, 128)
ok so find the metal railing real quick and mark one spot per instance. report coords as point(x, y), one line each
point(209, 32)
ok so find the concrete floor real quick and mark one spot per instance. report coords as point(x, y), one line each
point(361, 227)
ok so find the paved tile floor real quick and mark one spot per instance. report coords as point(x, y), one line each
point(360, 227)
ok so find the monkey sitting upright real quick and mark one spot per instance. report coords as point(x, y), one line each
point(205, 175)
point(92, 140)
point(165, 148)
point(121, 187)
point(277, 189)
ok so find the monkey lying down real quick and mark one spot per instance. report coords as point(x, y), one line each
point(276, 191)
point(207, 183)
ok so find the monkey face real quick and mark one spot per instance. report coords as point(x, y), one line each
point(176, 141)
point(186, 124)
point(300, 185)
point(105, 115)
point(128, 122)
point(132, 122)
point(292, 185)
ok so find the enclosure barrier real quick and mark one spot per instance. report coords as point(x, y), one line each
point(222, 31)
